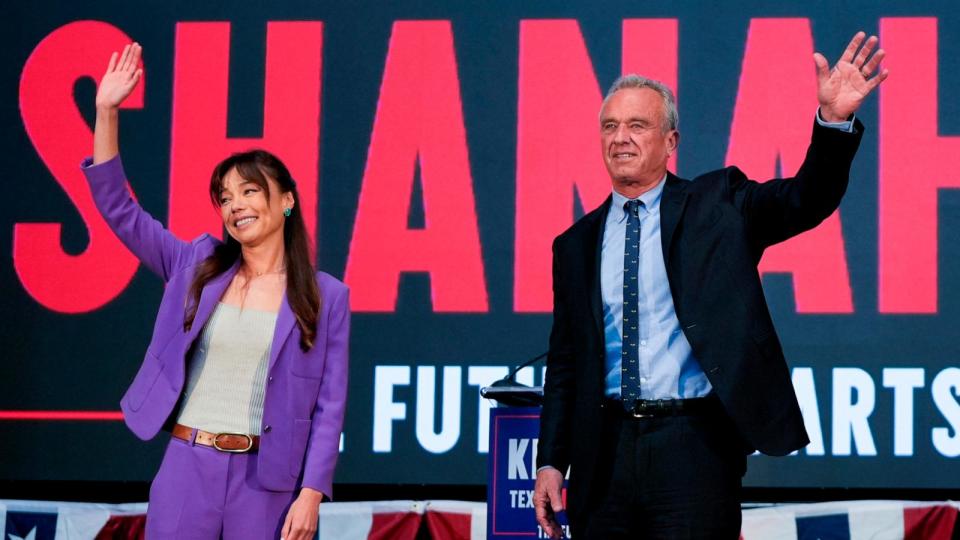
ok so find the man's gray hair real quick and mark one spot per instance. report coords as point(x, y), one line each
point(671, 119)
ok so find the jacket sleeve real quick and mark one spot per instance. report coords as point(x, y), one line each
point(323, 447)
point(154, 245)
point(556, 416)
point(779, 209)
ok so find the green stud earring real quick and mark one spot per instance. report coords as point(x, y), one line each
point(287, 212)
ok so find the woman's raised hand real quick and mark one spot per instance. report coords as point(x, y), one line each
point(123, 74)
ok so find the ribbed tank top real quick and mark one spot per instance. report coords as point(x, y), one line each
point(227, 373)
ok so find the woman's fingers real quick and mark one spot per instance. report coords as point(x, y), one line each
point(113, 62)
point(123, 58)
point(133, 80)
point(134, 61)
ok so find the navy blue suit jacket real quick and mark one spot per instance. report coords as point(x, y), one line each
point(714, 230)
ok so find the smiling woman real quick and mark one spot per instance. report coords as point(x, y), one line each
point(245, 196)
point(256, 196)
point(238, 368)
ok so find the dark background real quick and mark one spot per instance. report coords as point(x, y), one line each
point(84, 362)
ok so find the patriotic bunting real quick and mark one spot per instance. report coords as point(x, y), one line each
point(456, 520)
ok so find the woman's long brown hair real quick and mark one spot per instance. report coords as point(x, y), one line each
point(302, 292)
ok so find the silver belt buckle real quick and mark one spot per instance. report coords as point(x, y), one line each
point(634, 412)
point(216, 443)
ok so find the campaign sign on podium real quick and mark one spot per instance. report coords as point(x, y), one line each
point(511, 473)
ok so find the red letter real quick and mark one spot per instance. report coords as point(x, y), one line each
point(772, 120)
point(558, 135)
point(650, 49)
point(915, 162)
point(291, 116)
point(419, 118)
point(58, 280)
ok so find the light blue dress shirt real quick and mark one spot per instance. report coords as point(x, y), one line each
point(667, 366)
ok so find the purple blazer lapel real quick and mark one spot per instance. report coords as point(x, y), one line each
point(285, 321)
point(211, 294)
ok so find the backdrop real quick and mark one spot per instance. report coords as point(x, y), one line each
point(439, 147)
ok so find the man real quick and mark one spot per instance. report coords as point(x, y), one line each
point(664, 370)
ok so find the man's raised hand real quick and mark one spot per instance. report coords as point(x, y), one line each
point(842, 89)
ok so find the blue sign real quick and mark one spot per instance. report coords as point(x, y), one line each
point(511, 474)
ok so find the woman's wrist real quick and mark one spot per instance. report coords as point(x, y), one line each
point(107, 110)
point(311, 493)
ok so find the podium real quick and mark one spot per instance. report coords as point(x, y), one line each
point(512, 462)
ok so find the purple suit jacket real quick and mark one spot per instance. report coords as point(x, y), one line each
point(306, 391)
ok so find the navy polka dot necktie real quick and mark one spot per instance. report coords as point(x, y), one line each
point(630, 355)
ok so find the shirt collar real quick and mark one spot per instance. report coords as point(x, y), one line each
point(650, 200)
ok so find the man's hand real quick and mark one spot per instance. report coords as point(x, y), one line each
point(547, 501)
point(842, 89)
point(301, 521)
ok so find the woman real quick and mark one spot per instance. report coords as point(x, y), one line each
point(248, 362)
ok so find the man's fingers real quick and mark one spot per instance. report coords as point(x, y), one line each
point(545, 517)
point(875, 82)
point(540, 507)
point(865, 51)
point(547, 529)
point(549, 525)
point(547, 501)
point(823, 67)
point(543, 509)
point(873, 63)
point(851, 49)
point(542, 519)
point(556, 501)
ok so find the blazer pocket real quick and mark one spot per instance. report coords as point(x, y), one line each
point(307, 365)
point(144, 382)
point(298, 445)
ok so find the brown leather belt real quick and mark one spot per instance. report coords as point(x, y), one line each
point(224, 442)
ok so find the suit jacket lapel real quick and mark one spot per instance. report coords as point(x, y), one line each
point(285, 322)
point(672, 203)
point(594, 248)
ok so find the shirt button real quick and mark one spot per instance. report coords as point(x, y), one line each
point(643, 379)
point(266, 429)
point(270, 378)
point(643, 342)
